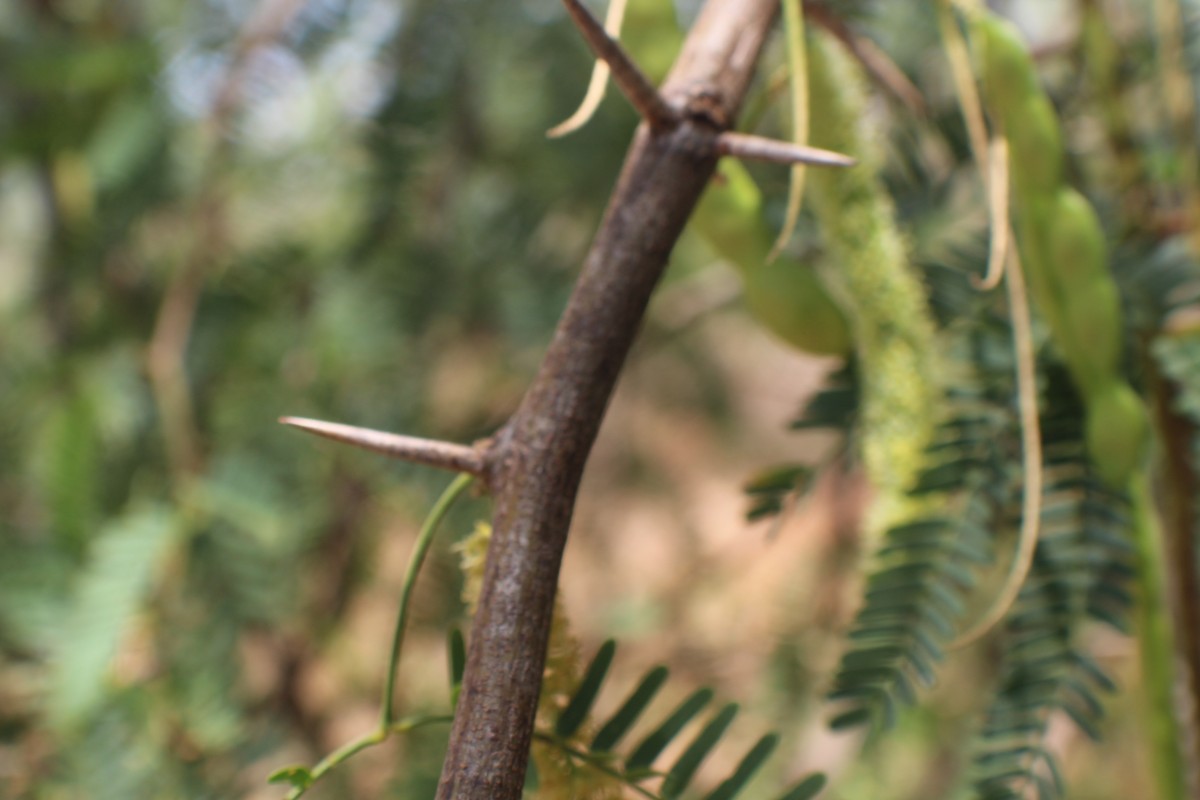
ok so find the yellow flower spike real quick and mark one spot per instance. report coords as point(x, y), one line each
point(893, 329)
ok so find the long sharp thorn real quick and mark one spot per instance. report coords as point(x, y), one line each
point(632, 82)
point(760, 148)
point(430, 452)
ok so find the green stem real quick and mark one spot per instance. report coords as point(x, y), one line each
point(387, 721)
point(1156, 644)
point(593, 762)
point(420, 550)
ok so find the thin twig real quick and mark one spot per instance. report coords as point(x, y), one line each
point(429, 452)
point(176, 314)
point(777, 151)
point(876, 62)
point(629, 78)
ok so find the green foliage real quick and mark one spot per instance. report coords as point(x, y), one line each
point(376, 231)
point(637, 767)
point(110, 591)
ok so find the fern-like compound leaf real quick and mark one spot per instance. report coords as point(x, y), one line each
point(581, 701)
point(619, 724)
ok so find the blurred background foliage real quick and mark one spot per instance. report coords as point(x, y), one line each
point(214, 212)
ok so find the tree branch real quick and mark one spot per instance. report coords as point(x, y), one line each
point(540, 454)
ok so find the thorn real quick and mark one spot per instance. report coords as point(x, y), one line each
point(430, 452)
point(777, 151)
point(599, 79)
point(632, 82)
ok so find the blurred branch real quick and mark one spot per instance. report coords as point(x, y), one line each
point(877, 63)
point(166, 351)
point(1179, 94)
point(1179, 523)
point(537, 459)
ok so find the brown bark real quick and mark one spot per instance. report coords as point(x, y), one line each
point(536, 461)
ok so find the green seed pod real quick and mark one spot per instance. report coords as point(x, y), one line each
point(1086, 294)
point(1035, 142)
point(1117, 432)
point(788, 299)
point(1014, 95)
point(1062, 244)
point(1008, 74)
point(729, 217)
point(1092, 341)
point(1077, 245)
point(785, 297)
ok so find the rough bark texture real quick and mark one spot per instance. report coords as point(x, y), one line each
point(536, 461)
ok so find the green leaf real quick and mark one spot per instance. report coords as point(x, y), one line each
point(581, 702)
point(850, 719)
point(745, 771)
point(299, 777)
point(808, 788)
point(681, 773)
point(650, 747)
point(778, 479)
point(620, 723)
point(110, 589)
point(456, 650)
point(71, 449)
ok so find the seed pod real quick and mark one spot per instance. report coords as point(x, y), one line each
point(1035, 142)
point(784, 296)
point(1007, 72)
point(729, 217)
point(1092, 341)
point(1077, 245)
point(790, 301)
point(1117, 432)
point(1014, 95)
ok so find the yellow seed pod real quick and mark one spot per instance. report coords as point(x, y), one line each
point(1117, 432)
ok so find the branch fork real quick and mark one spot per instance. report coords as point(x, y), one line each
point(662, 116)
